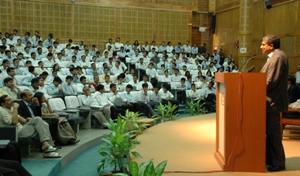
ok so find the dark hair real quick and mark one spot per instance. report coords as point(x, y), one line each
point(144, 85)
point(31, 68)
point(292, 78)
point(39, 95)
point(44, 73)
point(6, 80)
point(4, 61)
point(2, 99)
point(40, 62)
point(272, 39)
point(99, 87)
point(57, 79)
point(112, 85)
point(69, 77)
point(129, 86)
point(35, 80)
point(82, 78)
point(10, 69)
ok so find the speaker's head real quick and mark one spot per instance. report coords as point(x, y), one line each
point(268, 4)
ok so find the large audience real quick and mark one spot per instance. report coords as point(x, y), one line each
point(113, 79)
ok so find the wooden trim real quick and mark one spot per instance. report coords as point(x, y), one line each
point(116, 23)
point(191, 28)
point(12, 15)
point(228, 6)
point(154, 26)
point(126, 3)
point(73, 21)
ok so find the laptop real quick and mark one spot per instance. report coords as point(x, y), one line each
point(4, 143)
point(118, 102)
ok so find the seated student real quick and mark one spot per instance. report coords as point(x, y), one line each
point(293, 90)
point(209, 97)
point(176, 77)
point(50, 60)
point(117, 69)
point(145, 80)
point(26, 81)
point(141, 66)
point(188, 82)
point(120, 85)
point(104, 113)
point(74, 75)
point(11, 74)
point(68, 87)
point(192, 93)
point(181, 90)
point(104, 101)
point(202, 83)
point(54, 89)
point(129, 77)
point(11, 89)
point(138, 106)
point(18, 71)
point(152, 74)
point(34, 85)
point(166, 78)
point(83, 83)
point(29, 127)
point(107, 83)
point(30, 107)
point(66, 136)
point(41, 68)
point(95, 83)
point(143, 97)
point(166, 96)
point(116, 98)
point(135, 84)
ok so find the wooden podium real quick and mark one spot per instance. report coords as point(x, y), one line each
point(241, 121)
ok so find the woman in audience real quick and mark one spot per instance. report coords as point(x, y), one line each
point(227, 69)
point(208, 75)
point(56, 67)
point(137, 45)
point(65, 133)
point(235, 69)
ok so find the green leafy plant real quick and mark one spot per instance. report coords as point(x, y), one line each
point(195, 107)
point(117, 145)
point(145, 169)
point(165, 112)
point(131, 120)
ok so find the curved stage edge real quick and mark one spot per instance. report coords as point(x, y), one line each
point(188, 144)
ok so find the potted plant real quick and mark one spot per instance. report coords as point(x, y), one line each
point(145, 169)
point(165, 112)
point(117, 145)
point(195, 107)
point(131, 119)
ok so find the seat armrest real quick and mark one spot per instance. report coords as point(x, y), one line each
point(9, 132)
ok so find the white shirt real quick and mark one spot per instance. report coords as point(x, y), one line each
point(117, 71)
point(165, 95)
point(152, 73)
point(165, 79)
point(102, 98)
point(150, 86)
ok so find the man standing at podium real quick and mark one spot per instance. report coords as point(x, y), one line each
point(277, 71)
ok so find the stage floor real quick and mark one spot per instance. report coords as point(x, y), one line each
point(188, 144)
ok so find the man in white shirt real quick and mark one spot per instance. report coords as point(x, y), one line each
point(135, 83)
point(166, 78)
point(167, 96)
point(107, 83)
point(83, 63)
point(104, 101)
point(145, 80)
point(118, 44)
point(110, 43)
point(187, 48)
point(117, 69)
point(192, 93)
point(103, 114)
point(49, 62)
point(41, 68)
point(121, 87)
point(176, 77)
point(209, 97)
point(143, 97)
point(297, 75)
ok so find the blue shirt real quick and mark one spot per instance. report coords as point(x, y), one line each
point(128, 97)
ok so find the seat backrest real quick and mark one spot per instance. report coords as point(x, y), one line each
point(79, 97)
point(19, 78)
point(72, 102)
point(64, 71)
point(57, 104)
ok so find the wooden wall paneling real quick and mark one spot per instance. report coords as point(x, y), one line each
point(223, 4)
point(203, 5)
point(227, 29)
point(5, 13)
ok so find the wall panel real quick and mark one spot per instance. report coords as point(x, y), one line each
point(44, 17)
point(227, 26)
point(5, 16)
point(172, 26)
point(135, 24)
point(175, 2)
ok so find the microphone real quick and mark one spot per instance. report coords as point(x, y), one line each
point(251, 69)
point(244, 65)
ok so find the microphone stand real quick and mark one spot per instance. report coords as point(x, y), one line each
point(244, 65)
